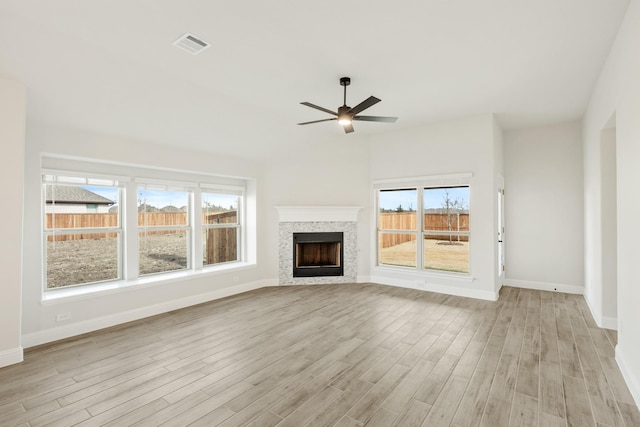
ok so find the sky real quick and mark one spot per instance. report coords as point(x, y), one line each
point(160, 198)
point(433, 198)
point(110, 193)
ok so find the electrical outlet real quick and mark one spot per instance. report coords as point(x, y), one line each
point(61, 317)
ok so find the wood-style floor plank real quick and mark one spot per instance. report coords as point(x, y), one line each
point(578, 408)
point(445, 406)
point(524, 411)
point(474, 400)
point(414, 415)
point(551, 397)
point(332, 355)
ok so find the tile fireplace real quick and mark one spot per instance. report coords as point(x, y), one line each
point(318, 244)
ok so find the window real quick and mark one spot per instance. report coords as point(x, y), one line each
point(163, 230)
point(424, 227)
point(397, 235)
point(98, 229)
point(445, 238)
point(81, 247)
point(220, 227)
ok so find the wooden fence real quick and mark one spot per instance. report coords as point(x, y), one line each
point(221, 243)
point(96, 220)
point(107, 220)
point(432, 221)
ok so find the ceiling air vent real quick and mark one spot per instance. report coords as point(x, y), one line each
point(191, 44)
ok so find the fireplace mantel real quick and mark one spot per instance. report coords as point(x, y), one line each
point(318, 213)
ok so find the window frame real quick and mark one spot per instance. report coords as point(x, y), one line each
point(430, 232)
point(187, 228)
point(71, 179)
point(420, 184)
point(238, 225)
point(128, 231)
point(414, 232)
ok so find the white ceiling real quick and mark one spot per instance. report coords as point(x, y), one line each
point(109, 66)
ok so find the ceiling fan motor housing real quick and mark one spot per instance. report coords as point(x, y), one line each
point(344, 110)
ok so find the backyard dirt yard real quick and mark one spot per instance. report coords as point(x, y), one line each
point(438, 255)
point(93, 260)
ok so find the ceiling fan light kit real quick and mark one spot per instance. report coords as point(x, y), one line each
point(346, 115)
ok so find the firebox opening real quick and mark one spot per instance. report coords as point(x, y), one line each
point(317, 254)
point(322, 254)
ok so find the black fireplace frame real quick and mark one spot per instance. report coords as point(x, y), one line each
point(319, 237)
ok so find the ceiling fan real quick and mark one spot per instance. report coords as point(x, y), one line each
point(346, 115)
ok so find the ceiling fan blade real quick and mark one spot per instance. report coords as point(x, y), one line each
point(348, 128)
point(375, 119)
point(372, 100)
point(308, 104)
point(318, 121)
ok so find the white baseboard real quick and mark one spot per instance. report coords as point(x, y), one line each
point(609, 323)
point(440, 289)
point(70, 330)
point(363, 279)
point(11, 356)
point(545, 286)
point(596, 314)
point(632, 382)
point(602, 321)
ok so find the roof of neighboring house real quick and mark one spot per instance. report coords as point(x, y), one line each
point(74, 194)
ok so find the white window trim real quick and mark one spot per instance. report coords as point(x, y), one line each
point(128, 268)
point(80, 292)
point(419, 184)
point(49, 177)
point(158, 185)
point(450, 180)
point(118, 180)
point(239, 225)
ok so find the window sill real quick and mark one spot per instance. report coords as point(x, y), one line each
point(90, 291)
point(425, 274)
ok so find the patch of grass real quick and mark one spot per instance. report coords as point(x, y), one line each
point(439, 255)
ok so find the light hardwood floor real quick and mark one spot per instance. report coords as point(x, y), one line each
point(344, 355)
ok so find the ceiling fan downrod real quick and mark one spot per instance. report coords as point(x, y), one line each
point(345, 81)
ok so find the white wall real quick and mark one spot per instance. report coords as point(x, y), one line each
point(12, 125)
point(609, 229)
point(332, 173)
point(544, 208)
point(455, 146)
point(101, 310)
point(617, 91)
